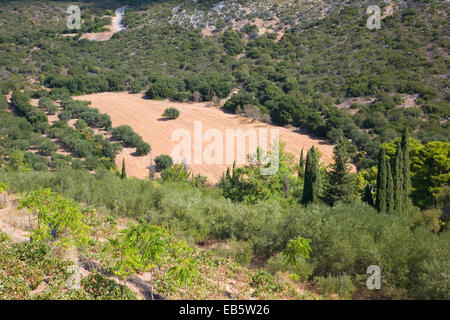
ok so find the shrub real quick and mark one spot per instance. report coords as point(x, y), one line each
point(171, 113)
point(240, 251)
point(80, 125)
point(130, 138)
point(47, 148)
point(302, 269)
point(336, 285)
point(77, 164)
point(101, 288)
point(143, 148)
point(159, 91)
point(163, 162)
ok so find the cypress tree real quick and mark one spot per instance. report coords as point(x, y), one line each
point(307, 184)
point(124, 171)
point(405, 168)
point(367, 196)
point(380, 203)
point(397, 174)
point(389, 189)
point(311, 183)
point(341, 183)
point(301, 169)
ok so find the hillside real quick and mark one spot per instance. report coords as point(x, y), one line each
point(351, 203)
point(144, 116)
point(45, 269)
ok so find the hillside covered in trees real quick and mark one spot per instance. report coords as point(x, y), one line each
point(309, 231)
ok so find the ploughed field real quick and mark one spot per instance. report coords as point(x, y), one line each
point(145, 117)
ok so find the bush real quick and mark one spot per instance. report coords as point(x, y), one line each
point(302, 270)
point(80, 125)
point(171, 113)
point(47, 148)
point(336, 285)
point(239, 251)
point(159, 91)
point(163, 162)
point(101, 288)
point(77, 164)
point(143, 149)
point(130, 138)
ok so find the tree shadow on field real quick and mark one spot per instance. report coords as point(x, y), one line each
point(307, 132)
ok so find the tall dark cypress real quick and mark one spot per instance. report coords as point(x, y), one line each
point(307, 184)
point(397, 174)
point(405, 167)
point(380, 203)
point(124, 171)
point(311, 183)
point(389, 189)
point(301, 169)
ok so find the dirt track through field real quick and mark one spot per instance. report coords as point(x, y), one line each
point(144, 116)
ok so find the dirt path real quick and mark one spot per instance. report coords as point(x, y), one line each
point(114, 27)
point(144, 116)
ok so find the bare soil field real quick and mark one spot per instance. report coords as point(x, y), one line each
point(144, 116)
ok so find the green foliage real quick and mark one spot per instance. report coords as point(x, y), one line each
point(171, 113)
point(389, 189)
point(232, 42)
point(340, 185)
point(3, 102)
point(301, 271)
point(344, 239)
point(263, 283)
point(145, 247)
point(17, 162)
point(47, 148)
point(381, 203)
point(398, 197)
point(301, 166)
point(249, 185)
point(367, 196)
point(429, 167)
point(80, 125)
point(163, 162)
point(123, 175)
point(131, 139)
point(139, 248)
point(311, 187)
point(37, 118)
point(297, 249)
point(342, 286)
point(176, 173)
point(239, 251)
point(73, 109)
point(101, 288)
point(57, 217)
